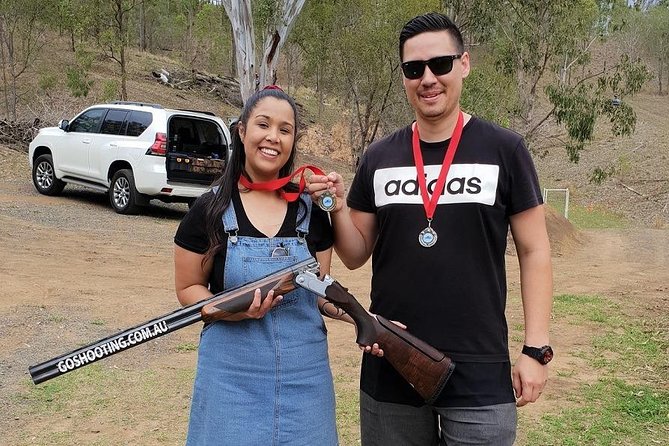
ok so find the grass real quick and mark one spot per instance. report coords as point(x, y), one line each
point(611, 412)
point(594, 217)
point(627, 404)
point(79, 401)
point(624, 404)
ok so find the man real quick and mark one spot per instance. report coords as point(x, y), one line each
point(433, 212)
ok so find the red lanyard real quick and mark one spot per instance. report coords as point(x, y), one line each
point(280, 182)
point(430, 203)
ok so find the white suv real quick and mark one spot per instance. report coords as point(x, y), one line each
point(132, 151)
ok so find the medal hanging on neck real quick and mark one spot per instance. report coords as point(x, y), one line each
point(428, 237)
point(326, 201)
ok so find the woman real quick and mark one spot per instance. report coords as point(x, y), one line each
point(263, 376)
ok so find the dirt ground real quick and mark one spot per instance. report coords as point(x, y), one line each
point(73, 271)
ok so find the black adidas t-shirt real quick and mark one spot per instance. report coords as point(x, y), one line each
point(453, 294)
point(192, 235)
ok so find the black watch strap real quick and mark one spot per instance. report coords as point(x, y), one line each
point(542, 354)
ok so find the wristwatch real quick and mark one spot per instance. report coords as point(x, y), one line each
point(542, 354)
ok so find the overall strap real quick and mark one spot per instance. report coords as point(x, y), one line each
point(303, 212)
point(229, 218)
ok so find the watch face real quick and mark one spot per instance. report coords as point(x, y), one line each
point(547, 354)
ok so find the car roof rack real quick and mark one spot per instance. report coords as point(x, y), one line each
point(197, 111)
point(141, 104)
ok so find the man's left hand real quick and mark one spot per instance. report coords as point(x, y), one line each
point(529, 379)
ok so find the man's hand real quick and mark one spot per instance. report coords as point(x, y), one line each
point(332, 182)
point(375, 349)
point(529, 379)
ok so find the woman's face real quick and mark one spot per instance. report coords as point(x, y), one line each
point(268, 138)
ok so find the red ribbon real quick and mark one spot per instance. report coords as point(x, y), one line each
point(430, 203)
point(281, 182)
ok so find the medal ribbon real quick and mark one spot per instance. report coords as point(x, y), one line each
point(430, 203)
point(281, 182)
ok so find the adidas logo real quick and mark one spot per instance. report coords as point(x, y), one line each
point(454, 186)
point(466, 183)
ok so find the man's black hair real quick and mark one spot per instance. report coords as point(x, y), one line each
point(430, 22)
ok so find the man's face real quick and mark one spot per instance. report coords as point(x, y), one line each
point(434, 97)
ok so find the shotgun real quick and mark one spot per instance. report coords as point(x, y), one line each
point(424, 367)
point(208, 310)
point(421, 365)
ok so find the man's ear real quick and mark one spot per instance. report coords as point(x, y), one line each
point(464, 62)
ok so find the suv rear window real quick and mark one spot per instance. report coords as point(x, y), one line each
point(114, 122)
point(138, 121)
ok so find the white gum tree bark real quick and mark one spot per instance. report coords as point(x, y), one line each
point(241, 18)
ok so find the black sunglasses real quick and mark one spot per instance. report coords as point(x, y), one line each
point(439, 66)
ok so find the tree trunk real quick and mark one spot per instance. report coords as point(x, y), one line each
point(142, 27)
point(8, 62)
point(659, 74)
point(277, 38)
point(241, 19)
point(3, 59)
point(124, 74)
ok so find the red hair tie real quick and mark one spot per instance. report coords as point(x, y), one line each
point(273, 87)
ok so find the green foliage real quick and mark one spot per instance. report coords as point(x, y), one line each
point(77, 75)
point(47, 82)
point(579, 106)
point(110, 90)
point(363, 60)
point(263, 15)
point(489, 94)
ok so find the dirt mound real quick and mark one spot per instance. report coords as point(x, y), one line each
point(561, 233)
point(563, 236)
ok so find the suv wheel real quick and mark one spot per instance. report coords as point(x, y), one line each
point(123, 196)
point(44, 176)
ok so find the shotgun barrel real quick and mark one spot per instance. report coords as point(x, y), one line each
point(230, 301)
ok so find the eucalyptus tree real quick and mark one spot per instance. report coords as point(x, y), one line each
point(113, 38)
point(546, 48)
point(314, 33)
point(656, 41)
point(22, 35)
point(277, 19)
point(364, 64)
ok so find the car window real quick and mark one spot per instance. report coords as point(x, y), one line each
point(211, 132)
point(138, 121)
point(113, 122)
point(88, 122)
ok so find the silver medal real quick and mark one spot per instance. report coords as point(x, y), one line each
point(327, 201)
point(427, 237)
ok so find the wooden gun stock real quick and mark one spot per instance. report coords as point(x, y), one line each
point(421, 365)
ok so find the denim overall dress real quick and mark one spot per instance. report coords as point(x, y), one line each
point(267, 381)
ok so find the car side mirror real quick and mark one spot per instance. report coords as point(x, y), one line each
point(63, 124)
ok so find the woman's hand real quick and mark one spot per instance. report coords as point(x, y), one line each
point(257, 310)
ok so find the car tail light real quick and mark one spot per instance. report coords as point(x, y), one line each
point(159, 146)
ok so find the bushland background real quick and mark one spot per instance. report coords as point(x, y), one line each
point(72, 271)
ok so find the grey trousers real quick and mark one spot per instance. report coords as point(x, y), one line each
point(383, 424)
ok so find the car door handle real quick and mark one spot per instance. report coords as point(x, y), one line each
point(86, 140)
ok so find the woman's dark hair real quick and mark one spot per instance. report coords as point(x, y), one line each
point(430, 22)
point(217, 202)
